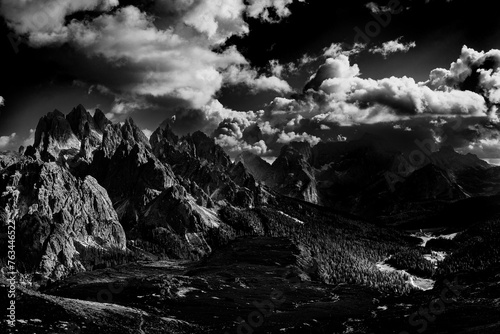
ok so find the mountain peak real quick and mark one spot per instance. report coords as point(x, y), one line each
point(51, 128)
point(164, 131)
point(133, 135)
point(207, 149)
point(100, 120)
point(78, 118)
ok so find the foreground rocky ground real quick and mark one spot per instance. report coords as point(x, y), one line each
point(254, 285)
point(257, 280)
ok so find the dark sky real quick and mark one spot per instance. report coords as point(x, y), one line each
point(209, 61)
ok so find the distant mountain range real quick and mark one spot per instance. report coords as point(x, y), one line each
point(370, 178)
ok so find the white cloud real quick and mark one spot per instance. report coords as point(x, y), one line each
point(391, 47)
point(2, 101)
point(262, 9)
point(337, 49)
point(167, 64)
point(235, 146)
point(286, 138)
point(245, 75)
point(229, 135)
point(377, 9)
point(485, 66)
point(214, 115)
point(7, 141)
point(219, 20)
point(277, 69)
point(172, 58)
point(42, 18)
point(337, 95)
point(347, 98)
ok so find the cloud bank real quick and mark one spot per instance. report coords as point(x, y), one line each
point(337, 103)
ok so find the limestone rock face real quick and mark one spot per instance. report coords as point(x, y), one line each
point(8, 158)
point(196, 157)
point(295, 176)
point(83, 125)
point(69, 139)
point(129, 171)
point(291, 174)
point(180, 226)
point(60, 219)
point(101, 120)
point(260, 169)
point(54, 135)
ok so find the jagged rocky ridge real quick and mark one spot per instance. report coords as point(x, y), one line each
point(86, 186)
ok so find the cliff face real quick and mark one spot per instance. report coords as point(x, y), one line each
point(179, 225)
point(53, 136)
point(197, 158)
point(59, 219)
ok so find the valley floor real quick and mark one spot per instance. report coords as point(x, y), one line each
point(253, 285)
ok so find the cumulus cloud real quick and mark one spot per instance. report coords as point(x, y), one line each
point(376, 8)
point(244, 75)
point(337, 100)
point(165, 64)
point(2, 101)
point(337, 71)
point(391, 47)
point(219, 20)
point(269, 10)
point(475, 71)
point(342, 95)
point(230, 135)
point(7, 141)
point(209, 117)
point(42, 18)
point(337, 49)
point(286, 138)
point(280, 70)
point(177, 56)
